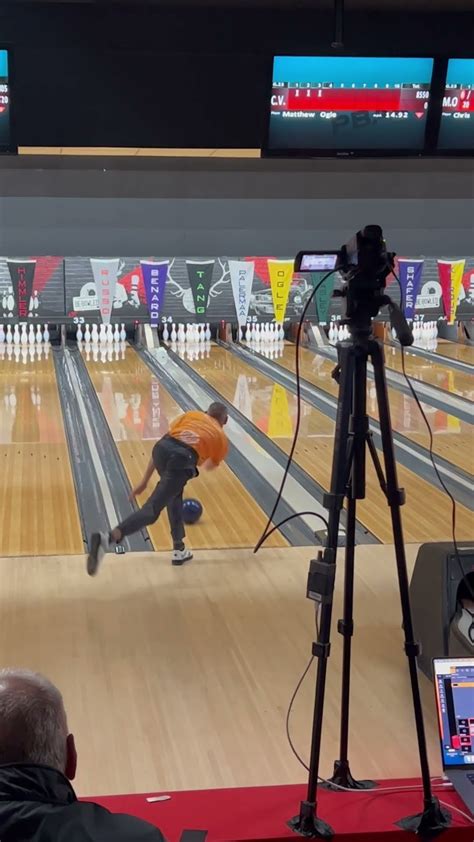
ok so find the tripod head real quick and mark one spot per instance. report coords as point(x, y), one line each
point(364, 265)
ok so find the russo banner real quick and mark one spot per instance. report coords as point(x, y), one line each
point(241, 278)
point(105, 278)
point(450, 277)
point(323, 295)
point(22, 273)
point(410, 272)
point(281, 276)
point(155, 275)
point(200, 278)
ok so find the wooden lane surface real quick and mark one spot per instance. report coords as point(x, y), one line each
point(450, 380)
point(455, 351)
point(39, 514)
point(187, 673)
point(453, 439)
point(139, 410)
point(427, 514)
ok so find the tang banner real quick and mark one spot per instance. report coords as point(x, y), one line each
point(323, 295)
point(450, 277)
point(241, 277)
point(105, 278)
point(410, 272)
point(279, 422)
point(281, 276)
point(155, 275)
point(200, 278)
point(22, 273)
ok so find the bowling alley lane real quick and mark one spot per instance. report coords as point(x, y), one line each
point(426, 515)
point(428, 371)
point(453, 439)
point(455, 351)
point(138, 411)
point(39, 514)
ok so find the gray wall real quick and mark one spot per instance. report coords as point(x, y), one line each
point(190, 207)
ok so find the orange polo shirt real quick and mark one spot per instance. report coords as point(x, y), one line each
point(211, 441)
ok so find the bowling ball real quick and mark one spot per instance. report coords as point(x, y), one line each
point(192, 510)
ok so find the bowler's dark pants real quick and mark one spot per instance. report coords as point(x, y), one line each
point(176, 464)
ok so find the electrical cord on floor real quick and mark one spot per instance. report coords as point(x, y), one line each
point(267, 532)
point(433, 460)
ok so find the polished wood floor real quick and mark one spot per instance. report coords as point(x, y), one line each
point(431, 373)
point(181, 677)
point(452, 439)
point(456, 351)
point(38, 509)
point(139, 410)
point(426, 515)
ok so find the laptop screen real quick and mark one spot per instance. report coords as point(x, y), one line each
point(454, 687)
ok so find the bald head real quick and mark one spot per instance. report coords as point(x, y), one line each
point(33, 723)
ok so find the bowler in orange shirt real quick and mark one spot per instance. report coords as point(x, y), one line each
point(195, 439)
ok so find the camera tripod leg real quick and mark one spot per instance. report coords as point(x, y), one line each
point(433, 818)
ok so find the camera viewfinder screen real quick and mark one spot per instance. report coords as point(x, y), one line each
point(345, 104)
point(457, 116)
point(312, 262)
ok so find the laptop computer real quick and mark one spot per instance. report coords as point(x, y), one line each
point(454, 690)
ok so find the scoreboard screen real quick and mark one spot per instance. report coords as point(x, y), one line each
point(5, 112)
point(348, 105)
point(457, 115)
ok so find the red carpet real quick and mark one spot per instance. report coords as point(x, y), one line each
point(260, 813)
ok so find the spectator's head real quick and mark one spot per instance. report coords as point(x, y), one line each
point(219, 412)
point(33, 723)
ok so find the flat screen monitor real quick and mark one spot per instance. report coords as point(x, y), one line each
point(457, 115)
point(326, 105)
point(6, 142)
point(454, 689)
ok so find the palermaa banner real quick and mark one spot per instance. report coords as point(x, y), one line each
point(155, 274)
point(105, 278)
point(281, 276)
point(241, 277)
point(200, 278)
point(450, 277)
point(410, 272)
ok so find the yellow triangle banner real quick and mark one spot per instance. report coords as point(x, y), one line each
point(457, 271)
point(281, 276)
point(279, 422)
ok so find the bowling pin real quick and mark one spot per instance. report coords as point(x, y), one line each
point(36, 303)
point(166, 335)
point(79, 334)
point(123, 334)
point(174, 335)
point(31, 335)
point(282, 332)
point(10, 300)
point(87, 334)
point(16, 335)
point(2, 334)
point(110, 334)
point(4, 300)
point(340, 333)
point(103, 333)
point(9, 335)
point(207, 335)
point(46, 337)
point(117, 333)
point(95, 333)
point(24, 334)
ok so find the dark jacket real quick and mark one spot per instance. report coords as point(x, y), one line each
point(38, 804)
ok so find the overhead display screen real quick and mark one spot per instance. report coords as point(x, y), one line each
point(345, 105)
point(457, 115)
point(5, 122)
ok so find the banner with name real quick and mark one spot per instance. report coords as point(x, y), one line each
point(241, 278)
point(450, 277)
point(322, 298)
point(200, 278)
point(410, 272)
point(281, 276)
point(105, 278)
point(155, 274)
point(22, 273)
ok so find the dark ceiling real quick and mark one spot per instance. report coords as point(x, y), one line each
point(379, 5)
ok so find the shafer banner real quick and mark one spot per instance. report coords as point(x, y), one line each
point(241, 277)
point(22, 273)
point(450, 277)
point(410, 272)
point(323, 295)
point(155, 274)
point(200, 277)
point(281, 276)
point(105, 277)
